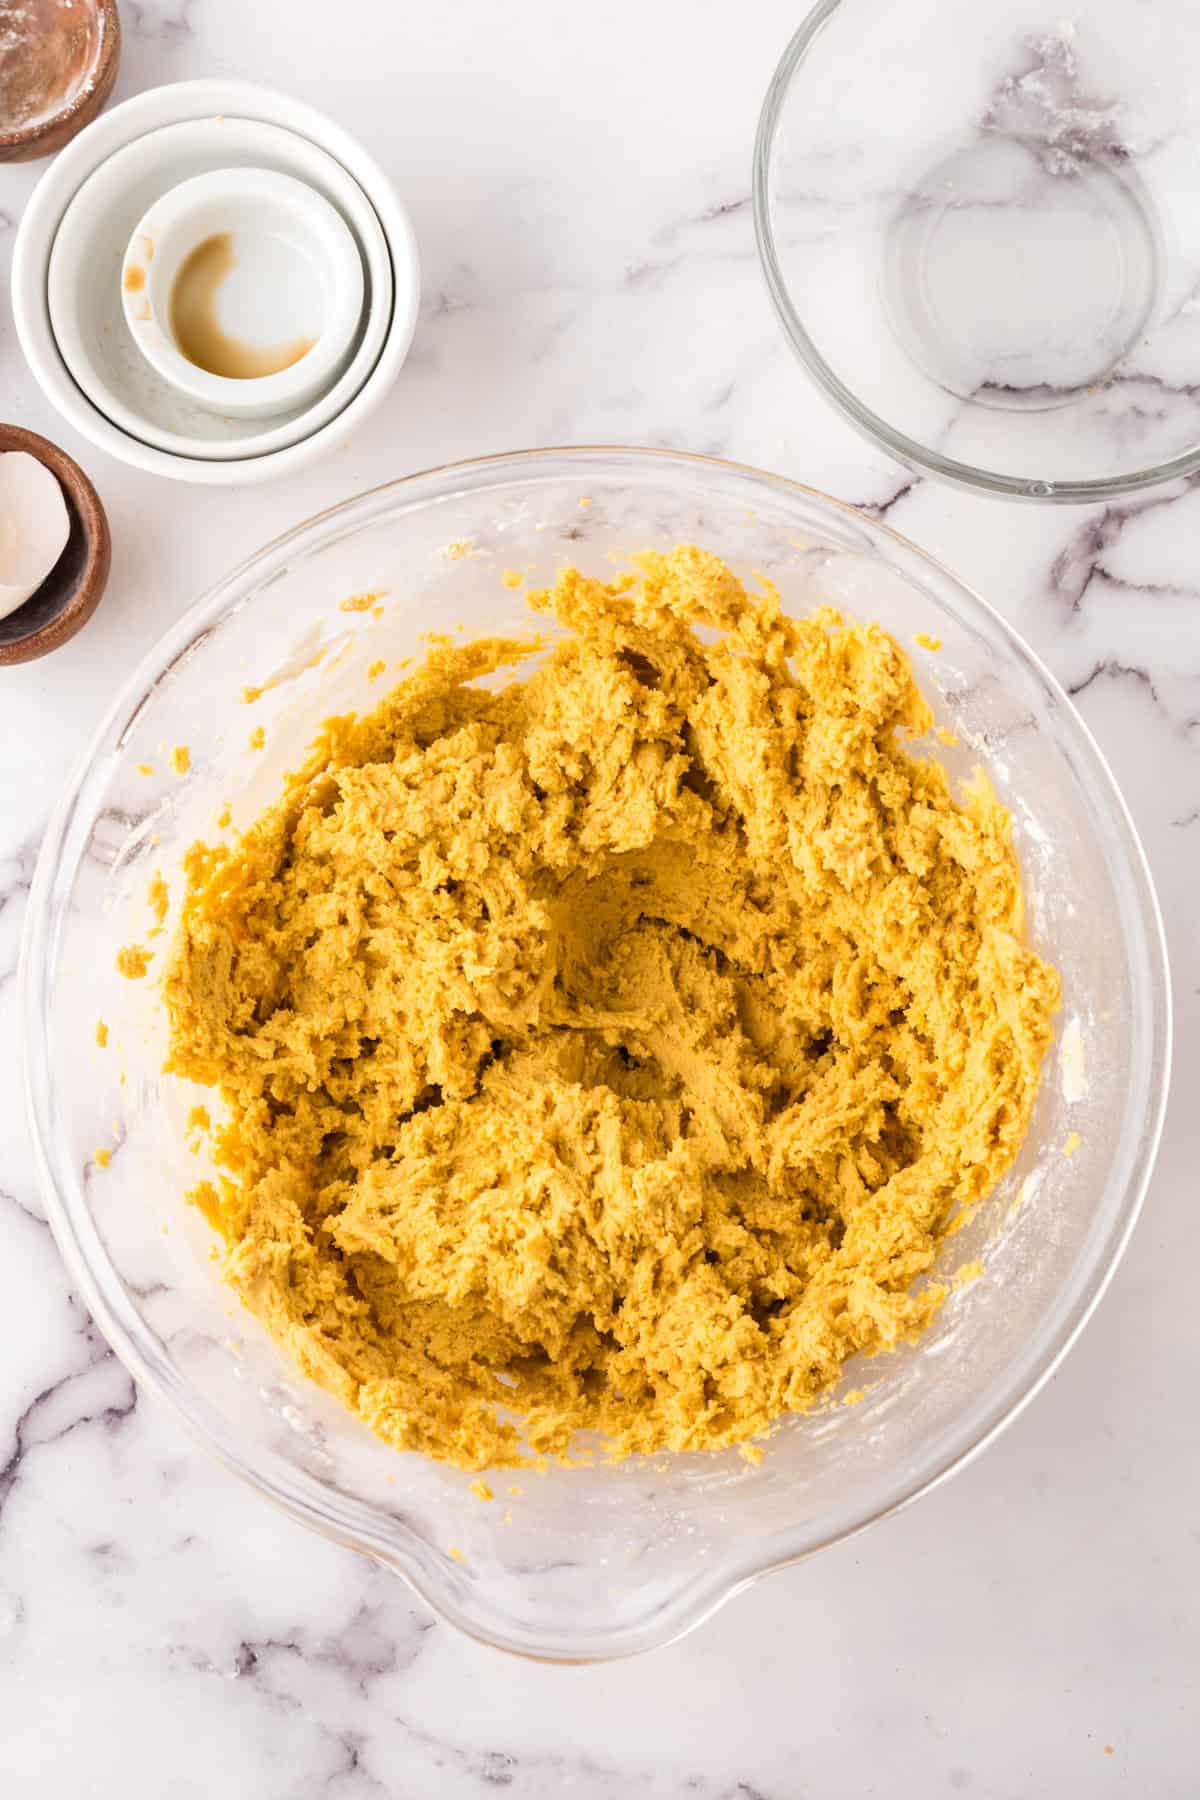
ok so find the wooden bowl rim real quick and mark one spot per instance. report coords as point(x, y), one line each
point(85, 507)
point(22, 140)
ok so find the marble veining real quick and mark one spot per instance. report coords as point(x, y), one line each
point(580, 192)
point(164, 22)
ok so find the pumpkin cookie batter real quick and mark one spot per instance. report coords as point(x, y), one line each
point(610, 1048)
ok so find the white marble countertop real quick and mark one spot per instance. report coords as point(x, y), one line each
point(579, 183)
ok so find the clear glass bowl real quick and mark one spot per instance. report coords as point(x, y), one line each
point(979, 227)
point(597, 1562)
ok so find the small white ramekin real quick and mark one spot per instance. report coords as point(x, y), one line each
point(287, 222)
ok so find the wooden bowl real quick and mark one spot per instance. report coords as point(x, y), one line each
point(71, 592)
point(48, 132)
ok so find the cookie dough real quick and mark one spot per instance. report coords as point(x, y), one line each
point(609, 1050)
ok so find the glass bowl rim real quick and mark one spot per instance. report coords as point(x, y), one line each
point(922, 458)
point(353, 1522)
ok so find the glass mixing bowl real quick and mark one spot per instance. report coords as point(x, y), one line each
point(978, 224)
point(593, 1562)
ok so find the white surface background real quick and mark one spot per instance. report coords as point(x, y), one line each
point(579, 181)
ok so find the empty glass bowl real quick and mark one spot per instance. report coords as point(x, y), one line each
point(979, 228)
point(582, 1562)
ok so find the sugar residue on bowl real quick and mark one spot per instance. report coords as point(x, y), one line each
point(48, 55)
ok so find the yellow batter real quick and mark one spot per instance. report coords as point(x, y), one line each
point(610, 1048)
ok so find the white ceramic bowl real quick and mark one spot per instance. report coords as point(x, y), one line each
point(92, 337)
point(297, 283)
point(221, 103)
